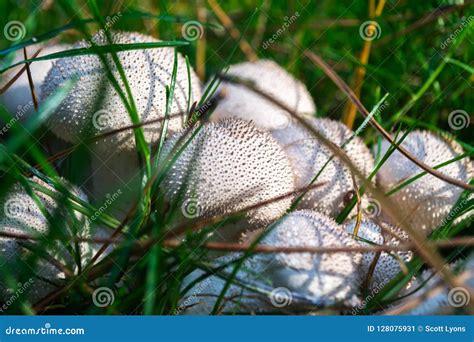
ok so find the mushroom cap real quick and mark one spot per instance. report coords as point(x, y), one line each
point(387, 264)
point(322, 279)
point(228, 166)
point(17, 99)
point(428, 200)
point(326, 278)
point(240, 102)
point(94, 105)
point(23, 216)
point(308, 155)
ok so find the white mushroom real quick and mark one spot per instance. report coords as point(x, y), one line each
point(326, 278)
point(23, 216)
point(229, 166)
point(94, 105)
point(388, 264)
point(426, 202)
point(17, 99)
point(321, 279)
point(240, 102)
point(308, 155)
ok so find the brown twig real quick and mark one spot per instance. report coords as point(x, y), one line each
point(30, 81)
point(317, 61)
point(462, 241)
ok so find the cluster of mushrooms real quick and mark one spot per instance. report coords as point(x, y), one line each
point(250, 156)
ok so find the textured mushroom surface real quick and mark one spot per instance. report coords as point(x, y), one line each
point(428, 200)
point(23, 216)
point(319, 279)
point(388, 264)
point(240, 102)
point(326, 278)
point(18, 98)
point(229, 166)
point(94, 105)
point(308, 155)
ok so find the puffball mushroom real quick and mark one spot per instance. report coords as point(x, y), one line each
point(428, 200)
point(325, 278)
point(94, 105)
point(237, 101)
point(388, 264)
point(23, 216)
point(321, 279)
point(228, 166)
point(308, 155)
point(17, 98)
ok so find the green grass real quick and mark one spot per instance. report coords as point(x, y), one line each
point(422, 82)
